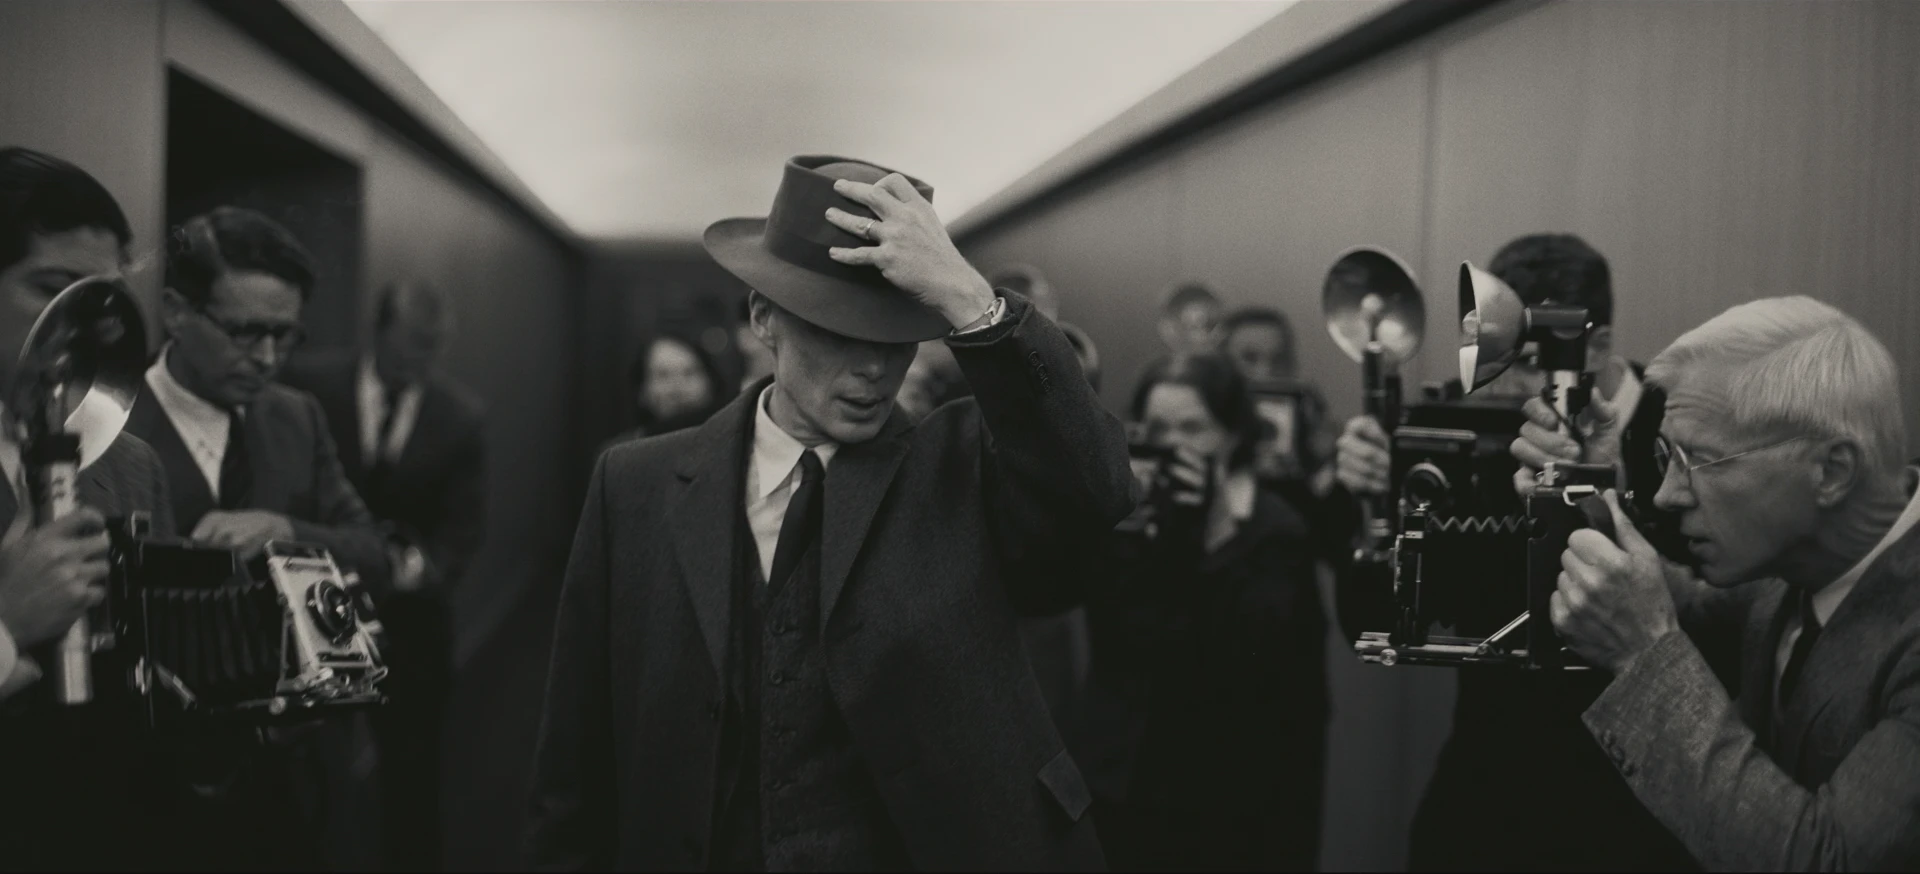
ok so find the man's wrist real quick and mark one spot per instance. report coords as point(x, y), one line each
point(969, 305)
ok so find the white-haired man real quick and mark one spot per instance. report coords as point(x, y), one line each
point(1784, 444)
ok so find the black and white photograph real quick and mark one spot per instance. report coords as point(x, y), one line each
point(959, 435)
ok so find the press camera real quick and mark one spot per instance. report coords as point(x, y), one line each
point(285, 636)
point(1470, 565)
point(187, 628)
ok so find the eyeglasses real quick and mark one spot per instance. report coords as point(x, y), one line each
point(249, 334)
point(1665, 452)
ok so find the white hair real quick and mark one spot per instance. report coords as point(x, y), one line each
point(1802, 366)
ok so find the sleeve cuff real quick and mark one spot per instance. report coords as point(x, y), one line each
point(1669, 671)
point(1014, 314)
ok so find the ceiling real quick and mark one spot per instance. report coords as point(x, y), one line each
point(650, 119)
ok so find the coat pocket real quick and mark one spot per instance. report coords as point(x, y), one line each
point(1062, 778)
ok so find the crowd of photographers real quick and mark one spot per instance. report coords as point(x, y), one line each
point(368, 453)
point(1754, 701)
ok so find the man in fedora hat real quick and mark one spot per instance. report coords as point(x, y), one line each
point(788, 639)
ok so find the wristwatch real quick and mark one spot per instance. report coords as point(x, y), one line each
point(988, 319)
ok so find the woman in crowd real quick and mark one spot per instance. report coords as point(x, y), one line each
point(1205, 727)
point(675, 384)
point(1295, 459)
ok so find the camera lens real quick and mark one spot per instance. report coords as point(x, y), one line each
point(332, 610)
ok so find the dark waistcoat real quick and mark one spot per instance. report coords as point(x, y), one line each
point(794, 793)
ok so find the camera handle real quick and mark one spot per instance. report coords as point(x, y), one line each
point(1381, 397)
point(52, 461)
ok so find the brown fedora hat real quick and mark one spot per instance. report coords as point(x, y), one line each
point(784, 256)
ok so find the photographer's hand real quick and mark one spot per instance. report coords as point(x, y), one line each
point(1540, 441)
point(243, 531)
point(51, 575)
point(1363, 458)
point(1614, 600)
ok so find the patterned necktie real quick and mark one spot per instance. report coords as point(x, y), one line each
point(236, 468)
point(1797, 657)
point(800, 528)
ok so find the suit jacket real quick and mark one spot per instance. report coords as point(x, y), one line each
point(69, 766)
point(1841, 790)
point(929, 532)
point(437, 492)
point(295, 472)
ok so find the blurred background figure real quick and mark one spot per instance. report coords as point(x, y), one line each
point(1293, 456)
point(1204, 734)
point(413, 443)
point(674, 384)
point(249, 461)
point(1190, 319)
point(755, 357)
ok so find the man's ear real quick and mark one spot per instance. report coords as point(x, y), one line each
point(174, 310)
point(1840, 467)
point(760, 312)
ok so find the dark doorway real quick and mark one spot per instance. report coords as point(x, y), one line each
point(220, 153)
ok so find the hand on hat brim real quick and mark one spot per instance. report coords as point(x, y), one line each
point(911, 248)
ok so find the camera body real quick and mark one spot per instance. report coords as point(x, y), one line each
point(286, 637)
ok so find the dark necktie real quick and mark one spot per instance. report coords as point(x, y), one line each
point(236, 468)
point(1797, 657)
point(800, 529)
point(380, 465)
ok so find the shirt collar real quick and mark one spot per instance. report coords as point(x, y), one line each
point(178, 398)
point(1827, 600)
point(775, 452)
point(1238, 490)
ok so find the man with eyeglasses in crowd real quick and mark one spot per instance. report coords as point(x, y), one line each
point(248, 461)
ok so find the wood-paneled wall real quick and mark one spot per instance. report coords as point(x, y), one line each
point(1714, 151)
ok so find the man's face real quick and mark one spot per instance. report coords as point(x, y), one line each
point(1742, 515)
point(53, 262)
point(219, 352)
point(1193, 329)
point(676, 382)
point(405, 350)
point(1259, 350)
point(1526, 378)
point(842, 389)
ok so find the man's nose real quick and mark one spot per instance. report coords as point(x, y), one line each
point(1674, 493)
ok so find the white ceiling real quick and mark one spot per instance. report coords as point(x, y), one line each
point(654, 118)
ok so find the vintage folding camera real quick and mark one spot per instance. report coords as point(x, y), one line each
point(286, 637)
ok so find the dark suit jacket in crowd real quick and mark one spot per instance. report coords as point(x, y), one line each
point(1832, 784)
point(437, 493)
point(70, 768)
point(1208, 694)
point(927, 535)
point(296, 472)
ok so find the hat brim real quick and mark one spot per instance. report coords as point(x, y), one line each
point(876, 312)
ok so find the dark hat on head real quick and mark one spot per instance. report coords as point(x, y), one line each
point(784, 256)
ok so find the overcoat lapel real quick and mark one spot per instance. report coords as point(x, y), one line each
point(705, 520)
point(857, 482)
point(1765, 621)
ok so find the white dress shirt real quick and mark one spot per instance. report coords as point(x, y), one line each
point(772, 477)
point(375, 446)
point(1828, 600)
point(202, 426)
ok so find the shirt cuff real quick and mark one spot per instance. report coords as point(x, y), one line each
point(997, 312)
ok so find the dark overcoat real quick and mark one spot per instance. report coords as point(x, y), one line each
point(935, 539)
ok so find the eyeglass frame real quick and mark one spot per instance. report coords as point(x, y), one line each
point(285, 339)
point(1687, 467)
